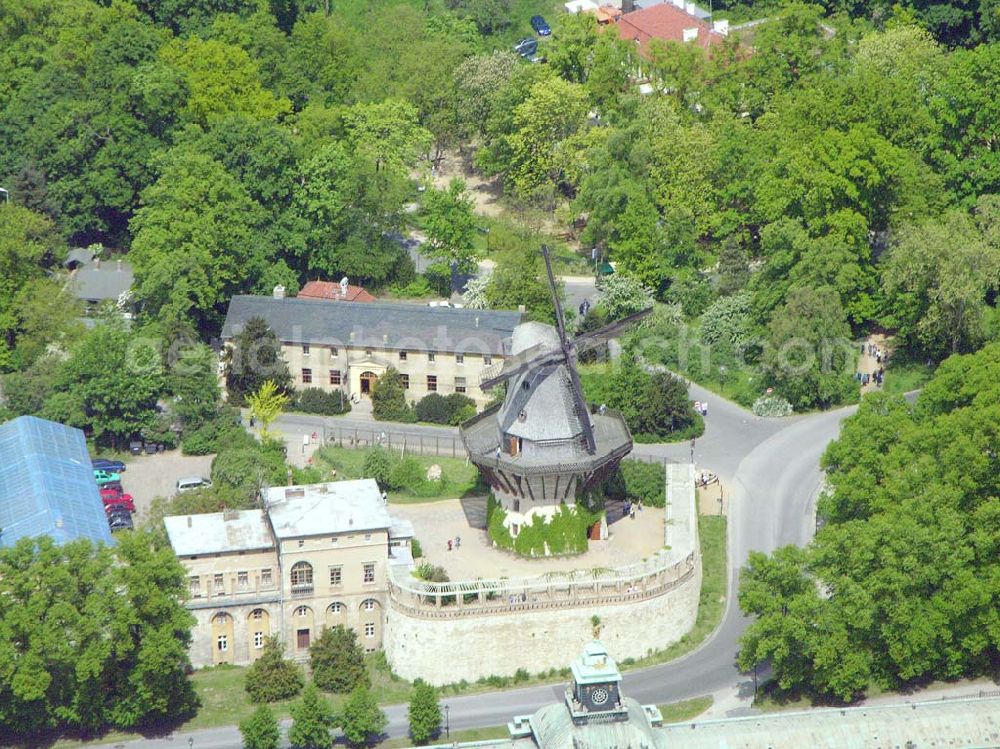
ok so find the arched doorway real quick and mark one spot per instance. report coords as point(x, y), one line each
point(223, 643)
point(368, 382)
point(258, 630)
point(302, 622)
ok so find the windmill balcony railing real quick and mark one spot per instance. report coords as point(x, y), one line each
point(482, 442)
point(483, 597)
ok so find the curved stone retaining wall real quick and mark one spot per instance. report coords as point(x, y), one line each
point(446, 632)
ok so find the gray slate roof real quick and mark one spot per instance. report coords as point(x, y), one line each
point(409, 327)
point(47, 484)
point(218, 532)
point(102, 283)
point(323, 509)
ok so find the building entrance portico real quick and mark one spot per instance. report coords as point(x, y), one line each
point(363, 375)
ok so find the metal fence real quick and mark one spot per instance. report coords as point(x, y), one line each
point(416, 443)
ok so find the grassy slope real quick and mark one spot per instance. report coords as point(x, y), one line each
point(681, 712)
point(461, 477)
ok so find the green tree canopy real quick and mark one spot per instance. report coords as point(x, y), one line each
point(271, 678)
point(57, 630)
point(336, 658)
point(260, 730)
point(424, 712)
point(312, 719)
point(361, 719)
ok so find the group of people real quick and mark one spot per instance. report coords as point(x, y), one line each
point(454, 543)
point(701, 407)
point(628, 508)
point(876, 375)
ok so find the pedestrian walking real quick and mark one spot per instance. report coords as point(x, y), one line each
point(449, 544)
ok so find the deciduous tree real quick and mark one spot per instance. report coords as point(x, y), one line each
point(424, 712)
point(336, 657)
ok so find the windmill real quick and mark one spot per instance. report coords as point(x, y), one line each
point(542, 446)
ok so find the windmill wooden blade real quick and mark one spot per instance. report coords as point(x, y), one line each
point(588, 341)
point(582, 410)
point(560, 322)
point(536, 356)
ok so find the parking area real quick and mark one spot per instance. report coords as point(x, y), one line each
point(149, 476)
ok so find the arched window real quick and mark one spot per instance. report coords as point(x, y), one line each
point(336, 608)
point(302, 575)
point(302, 611)
point(369, 604)
point(221, 618)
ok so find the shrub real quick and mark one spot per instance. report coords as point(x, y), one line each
point(495, 528)
point(452, 409)
point(416, 549)
point(727, 320)
point(418, 288)
point(433, 407)
point(461, 408)
point(317, 401)
point(638, 482)
point(407, 473)
point(770, 404)
point(431, 573)
point(377, 465)
point(271, 678)
point(201, 441)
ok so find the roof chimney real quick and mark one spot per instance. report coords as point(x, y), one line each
point(385, 338)
point(477, 321)
point(279, 292)
point(189, 521)
point(628, 6)
point(343, 286)
point(97, 262)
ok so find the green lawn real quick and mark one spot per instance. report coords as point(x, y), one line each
point(470, 734)
point(460, 477)
point(902, 376)
point(681, 712)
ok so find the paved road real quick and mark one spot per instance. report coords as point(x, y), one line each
point(771, 467)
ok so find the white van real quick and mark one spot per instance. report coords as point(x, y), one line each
point(192, 482)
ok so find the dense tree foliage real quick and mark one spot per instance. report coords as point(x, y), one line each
point(424, 712)
point(337, 660)
point(93, 637)
point(896, 587)
point(271, 678)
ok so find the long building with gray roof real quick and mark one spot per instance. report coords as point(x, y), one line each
point(344, 348)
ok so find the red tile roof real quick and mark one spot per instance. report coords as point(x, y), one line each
point(665, 21)
point(328, 290)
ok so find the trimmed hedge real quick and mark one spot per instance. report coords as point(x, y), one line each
point(317, 401)
point(439, 409)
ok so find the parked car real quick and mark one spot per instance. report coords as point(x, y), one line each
point(135, 447)
point(105, 464)
point(540, 26)
point(105, 477)
point(110, 508)
point(113, 499)
point(120, 520)
point(526, 47)
point(191, 483)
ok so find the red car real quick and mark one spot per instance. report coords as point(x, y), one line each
point(117, 497)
